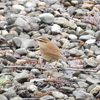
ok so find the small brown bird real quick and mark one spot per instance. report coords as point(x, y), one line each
point(49, 51)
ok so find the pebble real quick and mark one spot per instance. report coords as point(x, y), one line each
point(56, 29)
point(21, 51)
point(81, 95)
point(22, 24)
point(29, 43)
point(18, 7)
point(21, 77)
point(16, 98)
point(91, 62)
point(58, 95)
point(2, 97)
point(47, 97)
point(46, 18)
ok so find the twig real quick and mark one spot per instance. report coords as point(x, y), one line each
point(86, 70)
point(18, 66)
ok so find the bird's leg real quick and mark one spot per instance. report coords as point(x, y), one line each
point(40, 62)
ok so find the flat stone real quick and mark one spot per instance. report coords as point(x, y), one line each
point(47, 97)
point(46, 18)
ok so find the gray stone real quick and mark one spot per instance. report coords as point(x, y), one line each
point(61, 21)
point(2, 97)
point(67, 89)
point(83, 84)
point(46, 18)
point(21, 77)
point(10, 57)
point(57, 74)
point(22, 23)
point(81, 95)
point(91, 62)
point(21, 51)
point(10, 36)
point(56, 29)
point(34, 26)
point(79, 12)
point(86, 37)
point(35, 71)
point(29, 43)
point(51, 88)
point(97, 51)
point(58, 95)
point(16, 98)
point(32, 88)
point(17, 41)
point(93, 79)
point(97, 34)
point(47, 97)
point(10, 93)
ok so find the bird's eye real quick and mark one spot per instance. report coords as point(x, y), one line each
point(42, 41)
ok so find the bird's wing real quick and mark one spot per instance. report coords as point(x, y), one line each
point(52, 49)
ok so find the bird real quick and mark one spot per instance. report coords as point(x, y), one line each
point(49, 51)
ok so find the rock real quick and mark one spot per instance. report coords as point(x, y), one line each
point(91, 62)
point(57, 74)
point(35, 71)
point(30, 4)
point(34, 26)
point(10, 36)
point(79, 12)
point(18, 7)
point(41, 4)
point(97, 52)
point(95, 90)
point(4, 32)
point(10, 57)
point(17, 41)
point(93, 79)
point(47, 89)
point(73, 51)
point(10, 93)
point(81, 95)
point(87, 6)
point(21, 77)
point(21, 51)
point(66, 43)
point(91, 41)
point(33, 54)
point(97, 34)
point(58, 95)
point(3, 9)
point(2, 97)
point(67, 89)
point(22, 24)
point(46, 18)
point(86, 37)
point(74, 2)
point(56, 29)
point(72, 36)
point(61, 21)
point(47, 97)
point(16, 98)
point(32, 88)
point(29, 43)
point(83, 84)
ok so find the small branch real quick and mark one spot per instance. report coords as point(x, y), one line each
point(87, 70)
point(18, 66)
